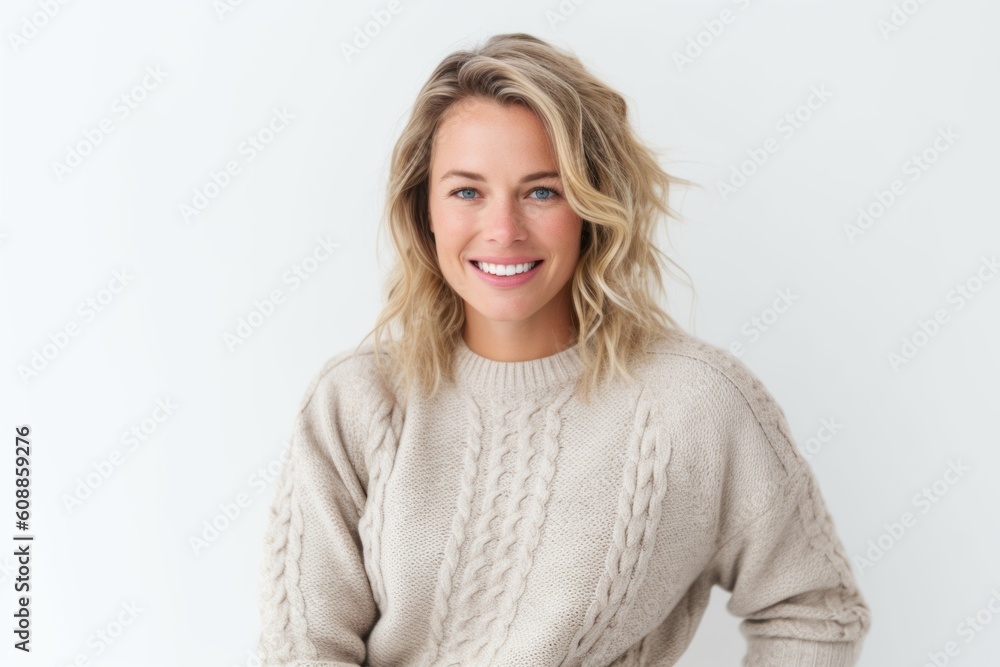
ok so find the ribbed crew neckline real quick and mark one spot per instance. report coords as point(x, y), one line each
point(477, 372)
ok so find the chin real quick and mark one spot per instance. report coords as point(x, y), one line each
point(501, 314)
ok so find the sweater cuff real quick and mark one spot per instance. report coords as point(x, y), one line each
point(786, 652)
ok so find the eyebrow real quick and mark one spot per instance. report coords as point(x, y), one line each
point(479, 177)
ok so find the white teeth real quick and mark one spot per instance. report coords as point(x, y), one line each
point(505, 269)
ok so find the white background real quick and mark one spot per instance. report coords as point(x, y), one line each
point(898, 427)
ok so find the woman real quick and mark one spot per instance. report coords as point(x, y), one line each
point(540, 467)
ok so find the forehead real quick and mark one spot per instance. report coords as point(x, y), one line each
point(469, 107)
point(480, 129)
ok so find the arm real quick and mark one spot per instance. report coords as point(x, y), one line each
point(792, 584)
point(784, 564)
point(316, 603)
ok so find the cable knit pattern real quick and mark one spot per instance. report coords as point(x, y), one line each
point(378, 460)
point(477, 579)
point(516, 550)
point(506, 522)
point(635, 527)
point(459, 520)
point(844, 620)
point(282, 603)
point(477, 599)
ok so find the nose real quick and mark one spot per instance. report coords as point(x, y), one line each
point(505, 222)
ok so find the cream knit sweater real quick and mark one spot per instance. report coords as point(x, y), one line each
point(505, 522)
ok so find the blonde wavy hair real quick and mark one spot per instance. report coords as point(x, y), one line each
point(610, 179)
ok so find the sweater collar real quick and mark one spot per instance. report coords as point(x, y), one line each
point(479, 373)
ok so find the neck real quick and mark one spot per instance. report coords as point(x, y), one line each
point(543, 374)
point(548, 332)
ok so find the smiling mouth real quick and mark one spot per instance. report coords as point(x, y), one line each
point(524, 267)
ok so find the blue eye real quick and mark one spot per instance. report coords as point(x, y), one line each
point(548, 193)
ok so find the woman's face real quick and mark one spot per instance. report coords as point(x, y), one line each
point(495, 196)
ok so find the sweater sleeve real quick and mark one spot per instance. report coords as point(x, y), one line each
point(316, 603)
point(781, 559)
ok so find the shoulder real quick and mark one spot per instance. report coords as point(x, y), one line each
point(349, 398)
point(351, 371)
point(704, 386)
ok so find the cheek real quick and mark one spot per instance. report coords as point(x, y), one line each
point(437, 212)
point(566, 230)
point(447, 241)
point(442, 217)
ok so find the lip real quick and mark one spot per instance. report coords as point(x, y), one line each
point(515, 259)
point(506, 281)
